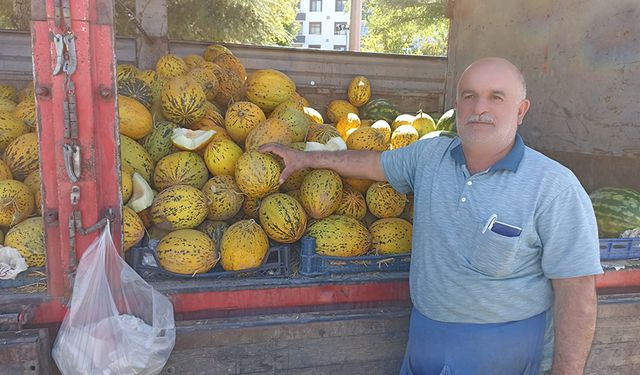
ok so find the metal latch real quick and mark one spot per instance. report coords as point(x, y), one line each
point(72, 161)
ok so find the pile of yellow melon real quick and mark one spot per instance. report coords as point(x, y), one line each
point(194, 180)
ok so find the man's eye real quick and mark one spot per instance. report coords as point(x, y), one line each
point(468, 96)
point(498, 98)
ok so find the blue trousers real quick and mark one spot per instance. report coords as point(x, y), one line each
point(438, 348)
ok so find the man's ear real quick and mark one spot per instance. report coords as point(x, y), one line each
point(523, 107)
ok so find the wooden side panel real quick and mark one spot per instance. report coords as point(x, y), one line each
point(411, 82)
point(616, 346)
point(16, 65)
point(582, 69)
point(25, 352)
point(349, 342)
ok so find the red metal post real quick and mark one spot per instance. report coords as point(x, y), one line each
point(99, 183)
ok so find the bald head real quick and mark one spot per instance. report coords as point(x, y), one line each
point(496, 65)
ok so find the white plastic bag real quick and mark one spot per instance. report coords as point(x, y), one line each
point(117, 323)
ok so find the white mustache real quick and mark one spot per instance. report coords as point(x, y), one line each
point(486, 118)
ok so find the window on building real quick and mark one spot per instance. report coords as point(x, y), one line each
point(315, 28)
point(340, 47)
point(301, 30)
point(340, 28)
point(340, 5)
point(314, 46)
point(315, 5)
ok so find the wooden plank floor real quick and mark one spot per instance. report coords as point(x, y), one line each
point(360, 342)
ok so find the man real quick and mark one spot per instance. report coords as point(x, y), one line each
point(501, 235)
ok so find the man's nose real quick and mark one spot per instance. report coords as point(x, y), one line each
point(480, 106)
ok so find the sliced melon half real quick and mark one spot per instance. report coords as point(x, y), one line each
point(142, 196)
point(191, 140)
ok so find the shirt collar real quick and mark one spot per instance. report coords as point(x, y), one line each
point(509, 162)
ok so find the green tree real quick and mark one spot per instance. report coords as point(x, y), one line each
point(263, 22)
point(416, 27)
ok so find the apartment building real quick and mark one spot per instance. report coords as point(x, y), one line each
point(323, 25)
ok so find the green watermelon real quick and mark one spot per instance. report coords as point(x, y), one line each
point(136, 89)
point(447, 121)
point(379, 109)
point(617, 209)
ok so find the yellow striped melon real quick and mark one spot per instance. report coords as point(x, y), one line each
point(16, 202)
point(251, 207)
point(391, 236)
point(241, 118)
point(383, 127)
point(180, 168)
point(193, 61)
point(282, 218)
point(207, 80)
point(214, 229)
point(423, 123)
point(293, 114)
point(28, 238)
point(384, 201)
point(359, 91)
point(271, 130)
point(27, 92)
point(403, 136)
point(268, 88)
point(10, 129)
point(348, 124)
point(228, 61)
point(126, 183)
point(321, 192)
point(404, 119)
point(135, 119)
point(338, 109)
point(26, 111)
point(313, 115)
point(133, 228)
point(223, 197)
point(321, 133)
point(171, 66)
point(183, 101)
point(214, 50)
point(358, 184)
point(244, 246)
point(125, 71)
point(222, 156)
point(365, 138)
point(158, 143)
point(257, 174)
point(23, 155)
point(187, 252)
point(5, 172)
point(179, 207)
point(8, 92)
point(231, 87)
point(136, 157)
point(352, 204)
point(341, 236)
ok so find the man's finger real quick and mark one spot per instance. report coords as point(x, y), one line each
point(284, 174)
point(269, 147)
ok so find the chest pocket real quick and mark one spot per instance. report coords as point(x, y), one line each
point(494, 254)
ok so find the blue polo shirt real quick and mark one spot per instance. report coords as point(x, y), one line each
point(485, 246)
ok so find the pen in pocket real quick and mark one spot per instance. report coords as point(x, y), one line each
point(501, 228)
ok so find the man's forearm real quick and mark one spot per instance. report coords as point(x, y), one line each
point(353, 164)
point(576, 307)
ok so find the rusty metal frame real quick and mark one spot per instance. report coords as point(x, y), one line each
point(91, 24)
